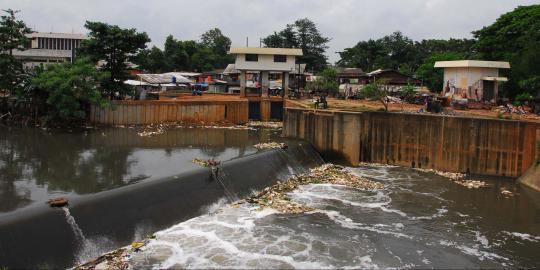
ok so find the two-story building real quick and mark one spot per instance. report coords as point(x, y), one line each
point(264, 61)
point(49, 48)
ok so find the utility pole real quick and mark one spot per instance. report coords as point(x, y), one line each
point(247, 41)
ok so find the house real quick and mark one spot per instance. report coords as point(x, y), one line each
point(49, 48)
point(261, 62)
point(351, 76)
point(472, 79)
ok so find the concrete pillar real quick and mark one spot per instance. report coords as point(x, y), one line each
point(265, 83)
point(243, 83)
point(285, 86)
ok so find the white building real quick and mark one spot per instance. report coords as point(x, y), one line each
point(265, 60)
point(49, 48)
point(472, 79)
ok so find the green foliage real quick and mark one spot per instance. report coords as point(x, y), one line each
point(407, 91)
point(522, 98)
point(114, 45)
point(302, 34)
point(399, 52)
point(12, 36)
point(326, 83)
point(513, 37)
point(70, 87)
point(433, 77)
point(208, 54)
point(376, 91)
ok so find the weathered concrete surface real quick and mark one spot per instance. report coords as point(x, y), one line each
point(447, 143)
point(161, 111)
point(531, 177)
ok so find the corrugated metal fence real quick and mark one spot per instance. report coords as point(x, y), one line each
point(158, 111)
point(455, 144)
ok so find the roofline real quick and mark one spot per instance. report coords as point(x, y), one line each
point(472, 63)
point(274, 51)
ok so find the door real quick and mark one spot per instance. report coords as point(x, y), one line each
point(488, 90)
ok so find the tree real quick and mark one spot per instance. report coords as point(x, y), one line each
point(514, 37)
point(70, 87)
point(152, 60)
point(376, 91)
point(326, 83)
point(115, 46)
point(12, 36)
point(303, 34)
point(219, 46)
point(431, 76)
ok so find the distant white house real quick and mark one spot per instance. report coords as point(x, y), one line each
point(472, 79)
point(264, 61)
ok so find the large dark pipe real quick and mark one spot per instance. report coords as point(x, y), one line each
point(41, 237)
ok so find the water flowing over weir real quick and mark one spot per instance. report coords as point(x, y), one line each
point(418, 220)
point(45, 237)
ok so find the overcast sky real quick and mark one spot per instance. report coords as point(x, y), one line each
point(345, 21)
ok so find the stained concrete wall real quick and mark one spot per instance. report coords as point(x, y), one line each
point(160, 111)
point(447, 143)
point(531, 177)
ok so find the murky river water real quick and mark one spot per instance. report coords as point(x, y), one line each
point(418, 220)
point(36, 164)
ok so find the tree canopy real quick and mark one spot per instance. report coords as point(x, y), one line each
point(12, 36)
point(115, 46)
point(207, 54)
point(399, 52)
point(302, 34)
point(514, 37)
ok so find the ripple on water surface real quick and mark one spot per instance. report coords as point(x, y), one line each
point(418, 220)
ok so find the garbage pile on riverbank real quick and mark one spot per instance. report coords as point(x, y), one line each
point(270, 145)
point(458, 178)
point(276, 197)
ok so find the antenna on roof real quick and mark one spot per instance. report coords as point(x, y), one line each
point(247, 41)
point(260, 42)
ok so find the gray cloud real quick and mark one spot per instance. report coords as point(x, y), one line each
point(345, 21)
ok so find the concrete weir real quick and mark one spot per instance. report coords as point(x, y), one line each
point(112, 219)
point(447, 143)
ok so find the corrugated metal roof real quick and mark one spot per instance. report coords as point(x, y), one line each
point(163, 78)
point(275, 51)
point(472, 63)
point(231, 69)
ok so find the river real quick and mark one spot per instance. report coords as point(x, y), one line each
point(419, 220)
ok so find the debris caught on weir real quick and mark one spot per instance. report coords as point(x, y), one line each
point(270, 145)
point(116, 259)
point(58, 202)
point(276, 197)
point(206, 162)
point(458, 178)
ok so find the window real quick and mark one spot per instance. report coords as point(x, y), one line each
point(280, 58)
point(252, 57)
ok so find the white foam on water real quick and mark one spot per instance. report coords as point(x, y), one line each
point(482, 239)
point(440, 213)
point(523, 236)
point(350, 224)
point(473, 251)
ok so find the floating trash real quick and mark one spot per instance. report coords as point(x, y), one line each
point(270, 145)
point(206, 162)
point(58, 202)
point(457, 178)
point(276, 197)
point(261, 124)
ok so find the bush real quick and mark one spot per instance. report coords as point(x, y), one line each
point(522, 98)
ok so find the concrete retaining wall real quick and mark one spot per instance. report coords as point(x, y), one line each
point(160, 111)
point(531, 177)
point(447, 143)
